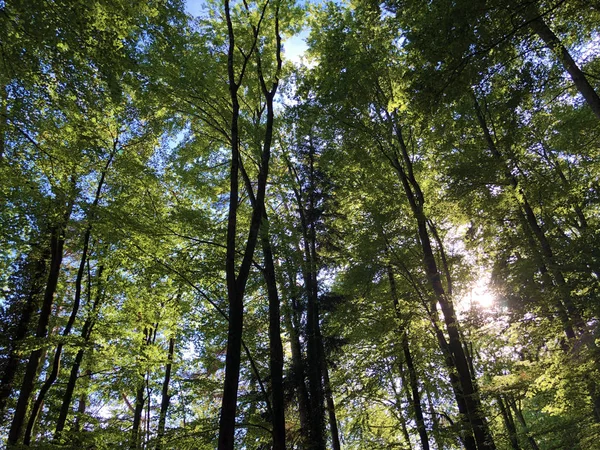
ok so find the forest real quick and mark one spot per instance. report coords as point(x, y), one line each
point(392, 243)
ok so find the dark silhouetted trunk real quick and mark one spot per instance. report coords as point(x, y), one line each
point(519, 414)
point(541, 28)
point(415, 396)
point(236, 280)
point(298, 372)
point(74, 374)
point(37, 405)
point(57, 242)
point(35, 271)
point(137, 418)
point(314, 353)
point(509, 423)
point(552, 275)
point(333, 425)
point(465, 388)
point(165, 397)
point(275, 345)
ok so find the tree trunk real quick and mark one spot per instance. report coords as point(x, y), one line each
point(509, 423)
point(85, 334)
point(333, 425)
point(137, 418)
point(37, 405)
point(541, 28)
point(275, 345)
point(298, 373)
point(570, 317)
point(236, 284)
point(35, 288)
point(521, 420)
point(415, 398)
point(57, 242)
point(466, 388)
point(35, 410)
point(314, 363)
point(165, 397)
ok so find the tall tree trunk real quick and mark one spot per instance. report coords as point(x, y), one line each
point(165, 397)
point(466, 387)
point(333, 425)
point(275, 345)
point(37, 405)
point(509, 423)
point(57, 242)
point(415, 398)
point(541, 28)
point(137, 417)
point(306, 208)
point(86, 332)
point(552, 276)
point(37, 264)
point(236, 280)
point(531, 441)
point(35, 410)
point(298, 372)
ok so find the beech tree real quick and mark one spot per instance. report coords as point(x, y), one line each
point(389, 245)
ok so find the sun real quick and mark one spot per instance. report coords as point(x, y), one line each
point(481, 294)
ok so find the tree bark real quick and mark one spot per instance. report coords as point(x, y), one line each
point(34, 290)
point(57, 242)
point(523, 423)
point(165, 397)
point(541, 28)
point(552, 275)
point(306, 209)
point(298, 372)
point(275, 345)
point(137, 417)
point(236, 284)
point(333, 425)
point(74, 374)
point(415, 398)
point(509, 423)
point(466, 387)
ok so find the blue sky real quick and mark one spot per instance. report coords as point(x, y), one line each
point(294, 47)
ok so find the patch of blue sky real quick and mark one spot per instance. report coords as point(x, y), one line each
point(294, 47)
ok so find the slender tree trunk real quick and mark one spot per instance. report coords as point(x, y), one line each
point(3, 113)
point(570, 317)
point(509, 423)
point(415, 398)
point(165, 397)
point(35, 289)
point(298, 373)
point(57, 242)
point(36, 408)
point(333, 425)
point(434, 420)
point(236, 284)
point(521, 420)
point(81, 407)
point(466, 389)
point(75, 309)
point(541, 28)
point(74, 374)
point(137, 417)
point(306, 209)
point(275, 345)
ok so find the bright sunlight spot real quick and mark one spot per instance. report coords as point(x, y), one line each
point(479, 295)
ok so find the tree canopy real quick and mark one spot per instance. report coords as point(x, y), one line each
point(391, 244)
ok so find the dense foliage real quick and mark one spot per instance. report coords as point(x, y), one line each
point(391, 245)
